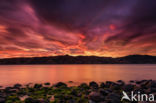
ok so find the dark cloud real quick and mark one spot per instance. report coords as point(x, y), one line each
point(86, 27)
point(141, 22)
point(69, 14)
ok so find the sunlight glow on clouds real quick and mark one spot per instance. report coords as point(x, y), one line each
point(30, 28)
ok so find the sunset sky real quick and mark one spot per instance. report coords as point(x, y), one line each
point(115, 28)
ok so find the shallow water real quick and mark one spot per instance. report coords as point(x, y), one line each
point(11, 74)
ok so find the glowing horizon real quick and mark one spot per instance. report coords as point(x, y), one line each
point(30, 28)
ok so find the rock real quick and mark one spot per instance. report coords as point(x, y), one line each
point(10, 90)
point(116, 87)
point(109, 83)
point(38, 86)
point(2, 100)
point(60, 84)
point(71, 101)
point(90, 101)
point(30, 100)
point(23, 97)
point(74, 92)
point(103, 92)
point(3, 95)
point(131, 81)
point(95, 96)
point(84, 86)
point(153, 90)
point(17, 86)
point(153, 84)
point(120, 82)
point(47, 83)
point(42, 101)
point(102, 85)
point(114, 98)
point(146, 85)
point(93, 85)
point(140, 82)
point(128, 87)
point(70, 81)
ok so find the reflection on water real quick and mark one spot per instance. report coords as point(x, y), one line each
point(11, 74)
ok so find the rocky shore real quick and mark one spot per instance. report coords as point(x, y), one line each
point(105, 92)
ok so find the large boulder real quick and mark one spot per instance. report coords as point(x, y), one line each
point(96, 97)
point(93, 85)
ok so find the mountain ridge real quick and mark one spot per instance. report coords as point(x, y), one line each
point(66, 59)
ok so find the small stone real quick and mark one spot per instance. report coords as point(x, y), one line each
point(70, 82)
point(47, 83)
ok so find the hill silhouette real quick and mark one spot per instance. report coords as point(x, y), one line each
point(66, 59)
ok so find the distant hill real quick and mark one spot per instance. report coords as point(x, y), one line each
point(131, 59)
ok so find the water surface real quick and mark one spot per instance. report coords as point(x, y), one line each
point(11, 74)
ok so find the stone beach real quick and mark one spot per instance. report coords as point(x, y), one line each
point(104, 92)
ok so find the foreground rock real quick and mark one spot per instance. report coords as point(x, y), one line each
point(105, 92)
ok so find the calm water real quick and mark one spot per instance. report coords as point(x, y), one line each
point(11, 74)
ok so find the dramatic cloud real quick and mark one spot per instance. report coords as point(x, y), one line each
point(77, 27)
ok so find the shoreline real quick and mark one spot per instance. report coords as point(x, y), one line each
point(104, 92)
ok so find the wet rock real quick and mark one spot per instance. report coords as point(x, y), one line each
point(93, 85)
point(70, 82)
point(103, 92)
point(146, 85)
point(84, 86)
point(153, 90)
point(140, 82)
point(71, 101)
point(60, 84)
point(38, 86)
point(47, 83)
point(116, 87)
point(128, 87)
point(10, 90)
point(109, 83)
point(31, 100)
point(17, 86)
point(95, 96)
point(2, 100)
point(22, 98)
point(74, 92)
point(3, 95)
point(90, 101)
point(114, 98)
point(102, 85)
point(153, 84)
point(43, 101)
point(60, 101)
point(132, 81)
point(120, 82)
